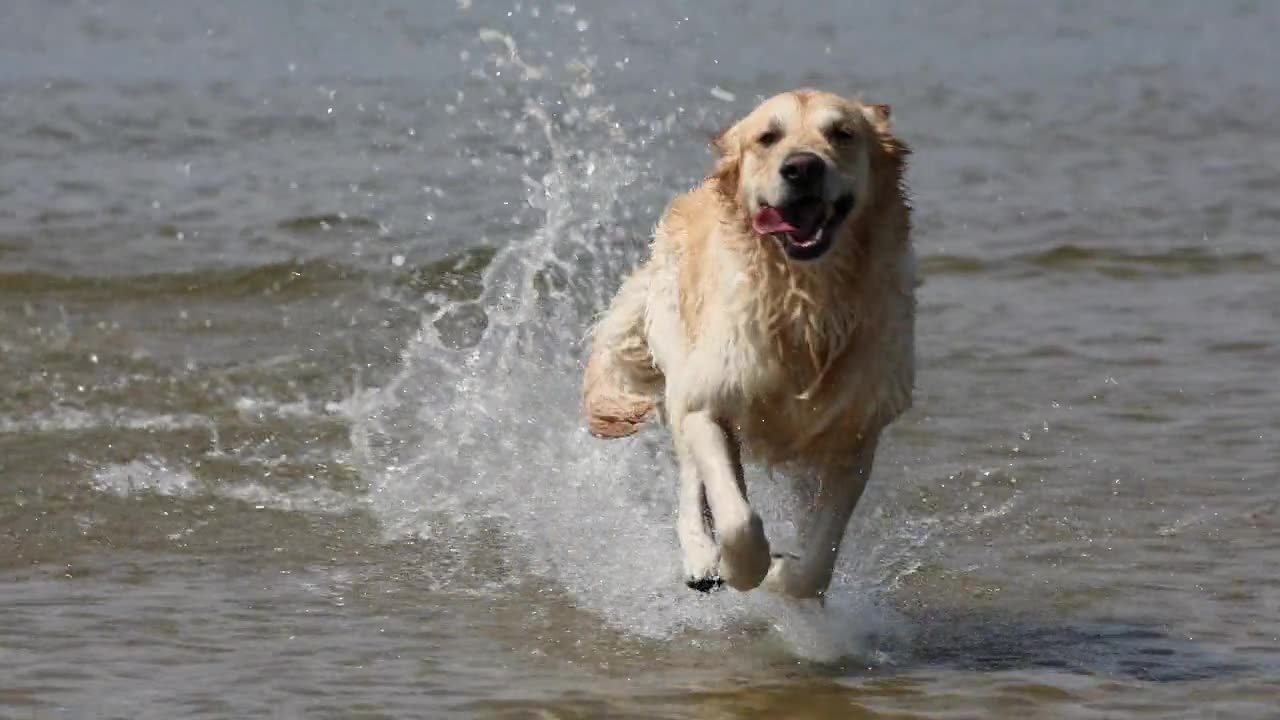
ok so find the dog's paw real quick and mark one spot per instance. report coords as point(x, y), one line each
point(776, 580)
point(744, 554)
point(786, 579)
point(704, 584)
point(702, 567)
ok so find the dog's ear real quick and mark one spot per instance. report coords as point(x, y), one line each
point(725, 142)
point(725, 173)
point(878, 116)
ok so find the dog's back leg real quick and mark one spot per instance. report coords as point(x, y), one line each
point(621, 384)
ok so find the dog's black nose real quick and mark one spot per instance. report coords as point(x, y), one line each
point(804, 170)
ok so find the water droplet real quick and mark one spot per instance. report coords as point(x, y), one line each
point(720, 93)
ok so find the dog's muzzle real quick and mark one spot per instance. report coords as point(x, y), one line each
point(806, 227)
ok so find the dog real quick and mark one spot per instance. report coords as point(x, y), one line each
point(773, 320)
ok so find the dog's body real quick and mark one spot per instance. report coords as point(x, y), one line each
point(773, 319)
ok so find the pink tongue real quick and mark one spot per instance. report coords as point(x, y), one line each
point(769, 222)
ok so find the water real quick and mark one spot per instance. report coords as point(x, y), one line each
point(291, 309)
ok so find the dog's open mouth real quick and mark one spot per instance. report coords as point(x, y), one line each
point(805, 227)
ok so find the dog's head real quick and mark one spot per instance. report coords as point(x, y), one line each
point(804, 165)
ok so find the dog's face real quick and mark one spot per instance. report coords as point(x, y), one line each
point(800, 167)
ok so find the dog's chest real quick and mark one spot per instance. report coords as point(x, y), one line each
point(773, 366)
point(794, 395)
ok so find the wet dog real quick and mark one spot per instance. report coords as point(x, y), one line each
point(773, 320)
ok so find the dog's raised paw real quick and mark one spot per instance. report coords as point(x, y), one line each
point(704, 584)
point(744, 554)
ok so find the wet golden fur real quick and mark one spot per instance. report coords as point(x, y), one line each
point(798, 363)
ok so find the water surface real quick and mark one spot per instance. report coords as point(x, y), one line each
point(291, 308)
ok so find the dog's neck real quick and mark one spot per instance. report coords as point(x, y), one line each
point(815, 309)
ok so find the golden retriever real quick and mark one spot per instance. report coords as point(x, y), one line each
point(773, 320)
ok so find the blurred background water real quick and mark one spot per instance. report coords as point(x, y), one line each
point(291, 306)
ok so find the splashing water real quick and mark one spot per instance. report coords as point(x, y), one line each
point(480, 450)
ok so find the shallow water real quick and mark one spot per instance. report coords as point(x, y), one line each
point(291, 309)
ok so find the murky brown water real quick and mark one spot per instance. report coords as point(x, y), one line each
point(290, 303)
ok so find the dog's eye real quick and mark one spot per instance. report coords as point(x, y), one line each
point(840, 135)
point(769, 137)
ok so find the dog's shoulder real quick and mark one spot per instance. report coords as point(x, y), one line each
point(690, 219)
point(683, 243)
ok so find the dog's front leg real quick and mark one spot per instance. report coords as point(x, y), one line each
point(705, 448)
point(822, 531)
point(701, 556)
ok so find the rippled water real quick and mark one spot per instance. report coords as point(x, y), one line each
point(291, 308)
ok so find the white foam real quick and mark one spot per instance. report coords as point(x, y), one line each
point(260, 409)
point(305, 498)
point(146, 476)
point(73, 419)
point(152, 476)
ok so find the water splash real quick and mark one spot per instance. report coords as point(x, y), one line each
point(478, 446)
